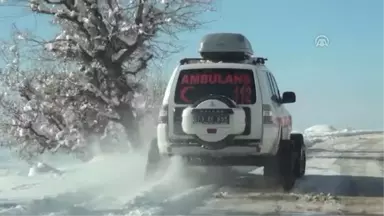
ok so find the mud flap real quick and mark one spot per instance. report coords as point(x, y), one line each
point(280, 167)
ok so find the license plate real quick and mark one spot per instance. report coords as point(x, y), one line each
point(211, 119)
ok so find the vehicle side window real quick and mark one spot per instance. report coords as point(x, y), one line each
point(276, 87)
point(271, 86)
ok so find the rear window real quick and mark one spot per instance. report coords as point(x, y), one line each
point(237, 84)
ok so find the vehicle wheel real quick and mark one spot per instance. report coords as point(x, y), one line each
point(300, 163)
point(287, 158)
point(281, 167)
point(155, 161)
point(303, 164)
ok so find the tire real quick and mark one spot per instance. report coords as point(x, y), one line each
point(303, 165)
point(281, 166)
point(287, 158)
point(300, 162)
point(155, 161)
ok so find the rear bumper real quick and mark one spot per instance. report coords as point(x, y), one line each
point(191, 149)
point(259, 160)
point(228, 156)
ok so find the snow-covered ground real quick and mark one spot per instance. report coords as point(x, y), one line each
point(340, 162)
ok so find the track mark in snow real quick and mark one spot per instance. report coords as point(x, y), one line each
point(24, 186)
point(165, 204)
point(184, 203)
point(263, 204)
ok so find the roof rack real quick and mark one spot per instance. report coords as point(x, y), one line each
point(252, 60)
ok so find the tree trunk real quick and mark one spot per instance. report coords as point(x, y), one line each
point(128, 120)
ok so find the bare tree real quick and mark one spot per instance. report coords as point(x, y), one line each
point(43, 109)
point(150, 99)
point(105, 45)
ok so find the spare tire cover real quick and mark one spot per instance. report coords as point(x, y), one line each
point(223, 133)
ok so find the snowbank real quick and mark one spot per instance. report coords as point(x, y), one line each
point(320, 129)
point(328, 130)
point(323, 132)
point(41, 167)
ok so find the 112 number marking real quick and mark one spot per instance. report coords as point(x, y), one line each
point(243, 94)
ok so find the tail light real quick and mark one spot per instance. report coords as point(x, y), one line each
point(267, 114)
point(290, 121)
point(163, 114)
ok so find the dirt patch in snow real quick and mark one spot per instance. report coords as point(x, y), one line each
point(295, 204)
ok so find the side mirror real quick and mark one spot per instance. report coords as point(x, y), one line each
point(288, 97)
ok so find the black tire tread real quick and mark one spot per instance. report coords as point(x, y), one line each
point(299, 144)
point(287, 177)
point(279, 168)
